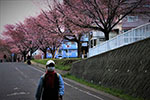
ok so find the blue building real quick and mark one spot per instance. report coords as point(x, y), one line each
point(69, 49)
point(66, 50)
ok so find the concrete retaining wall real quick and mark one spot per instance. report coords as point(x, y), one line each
point(126, 68)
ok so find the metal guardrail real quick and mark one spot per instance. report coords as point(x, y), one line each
point(133, 35)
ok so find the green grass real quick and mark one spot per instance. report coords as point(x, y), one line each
point(112, 91)
point(61, 64)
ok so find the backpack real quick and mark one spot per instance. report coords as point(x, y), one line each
point(56, 79)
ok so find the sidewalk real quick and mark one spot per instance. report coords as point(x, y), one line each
point(42, 67)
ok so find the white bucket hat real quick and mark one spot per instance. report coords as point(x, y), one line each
point(50, 61)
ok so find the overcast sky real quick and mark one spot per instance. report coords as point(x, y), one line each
point(13, 11)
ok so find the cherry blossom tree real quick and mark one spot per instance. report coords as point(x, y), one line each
point(56, 23)
point(18, 39)
point(4, 49)
point(77, 18)
point(31, 30)
point(46, 34)
point(101, 15)
point(75, 33)
point(52, 32)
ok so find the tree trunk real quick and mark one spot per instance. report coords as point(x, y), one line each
point(24, 56)
point(45, 55)
point(52, 50)
point(53, 54)
point(31, 52)
point(79, 49)
point(79, 46)
point(106, 35)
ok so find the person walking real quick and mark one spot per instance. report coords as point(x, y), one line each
point(51, 85)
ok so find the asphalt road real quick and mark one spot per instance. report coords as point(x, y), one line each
point(18, 81)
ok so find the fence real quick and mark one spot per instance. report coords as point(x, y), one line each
point(133, 35)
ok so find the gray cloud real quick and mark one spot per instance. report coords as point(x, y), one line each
point(13, 11)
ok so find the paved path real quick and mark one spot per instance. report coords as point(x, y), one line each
point(18, 81)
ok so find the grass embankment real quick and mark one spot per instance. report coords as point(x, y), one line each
point(61, 64)
point(65, 64)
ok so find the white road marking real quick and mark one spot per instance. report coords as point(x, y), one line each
point(71, 86)
point(21, 72)
point(18, 93)
point(84, 91)
point(36, 69)
point(16, 88)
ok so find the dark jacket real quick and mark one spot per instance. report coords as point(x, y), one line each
point(48, 92)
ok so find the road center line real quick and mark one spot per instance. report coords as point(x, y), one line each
point(35, 69)
point(21, 72)
point(18, 93)
point(71, 85)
